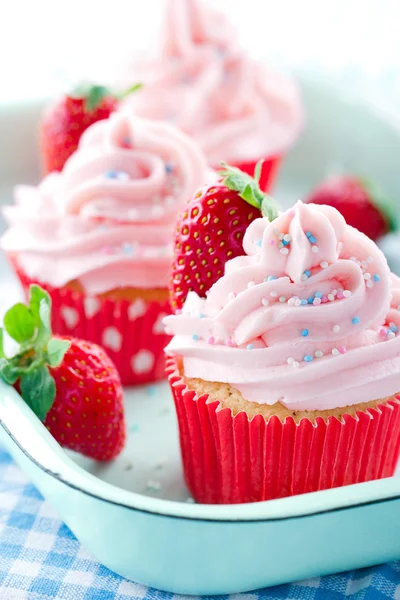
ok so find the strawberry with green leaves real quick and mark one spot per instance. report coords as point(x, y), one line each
point(71, 385)
point(65, 121)
point(210, 230)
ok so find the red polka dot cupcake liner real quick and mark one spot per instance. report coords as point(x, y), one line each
point(269, 170)
point(131, 332)
point(231, 459)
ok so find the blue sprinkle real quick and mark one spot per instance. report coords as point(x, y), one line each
point(258, 243)
point(394, 328)
point(285, 243)
point(151, 390)
point(168, 168)
point(250, 347)
point(304, 301)
point(195, 337)
point(355, 320)
point(271, 278)
point(134, 428)
point(127, 248)
point(308, 358)
point(377, 278)
point(310, 300)
point(304, 332)
point(312, 239)
point(318, 295)
point(308, 234)
point(307, 272)
point(202, 316)
point(111, 174)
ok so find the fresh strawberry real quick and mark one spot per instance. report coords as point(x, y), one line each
point(64, 122)
point(210, 231)
point(71, 385)
point(362, 204)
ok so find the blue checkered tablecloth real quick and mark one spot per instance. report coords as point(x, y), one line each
point(40, 559)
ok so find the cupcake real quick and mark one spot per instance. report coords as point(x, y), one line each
point(97, 237)
point(203, 82)
point(286, 377)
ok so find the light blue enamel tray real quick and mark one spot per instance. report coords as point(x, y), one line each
point(135, 515)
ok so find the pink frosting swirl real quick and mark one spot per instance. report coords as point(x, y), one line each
point(203, 82)
point(108, 218)
point(309, 317)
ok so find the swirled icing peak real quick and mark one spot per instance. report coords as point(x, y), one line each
point(204, 83)
point(107, 219)
point(308, 317)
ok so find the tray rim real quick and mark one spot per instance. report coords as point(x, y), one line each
point(16, 417)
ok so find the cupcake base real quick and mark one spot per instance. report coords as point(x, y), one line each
point(231, 457)
point(127, 322)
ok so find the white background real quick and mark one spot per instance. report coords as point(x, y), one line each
point(45, 45)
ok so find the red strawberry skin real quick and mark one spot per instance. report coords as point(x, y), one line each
point(209, 233)
point(88, 413)
point(352, 199)
point(63, 124)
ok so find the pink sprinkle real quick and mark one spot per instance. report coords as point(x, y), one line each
point(317, 301)
point(229, 342)
point(211, 339)
point(383, 332)
point(339, 295)
point(272, 242)
point(324, 299)
point(342, 350)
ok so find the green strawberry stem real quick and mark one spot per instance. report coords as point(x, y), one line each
point(30, 327)
point(94, 94)
point(249, 189)
point(383, 203)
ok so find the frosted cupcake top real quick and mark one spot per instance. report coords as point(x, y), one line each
point(309, 317)
point(205, 84)
point(107, 219)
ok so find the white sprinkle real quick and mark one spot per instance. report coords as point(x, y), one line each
point(295, 364)
point(363, 271)
point(284, 250)
point(369, 283)
point(347, 293)
point(319, 354)
point(273, 294)
point(323, 264)
point(304, 277)
point(297, 302)
point(250, 284)
point(367, 275)
point(282, 299)
point(281, 236)
point(264, 302)
point(359, 263)
point(334, 292)
point(287, 237)
point(335, 352)
point(336, 328)
point(317, 301)
point(353, 258)
point(290, 360)
point(331, 297)
point(231, 296)
point(280, 245)
point(314, 249)
point(364, 264)
point(370, 259)
point(391, 335)
point(291, 301)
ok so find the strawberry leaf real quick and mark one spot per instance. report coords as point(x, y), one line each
point(9, 372)
point(383, 203)
point(40, 307)
point(2, 353)
point(130, 90)
point(94, 96)
point(56, 350)
point(38, 389)
point(19, 323)
point(257, 170)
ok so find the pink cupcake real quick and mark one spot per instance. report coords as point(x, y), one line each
point(97, 237)
point(286, 378)
point(203, 82)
